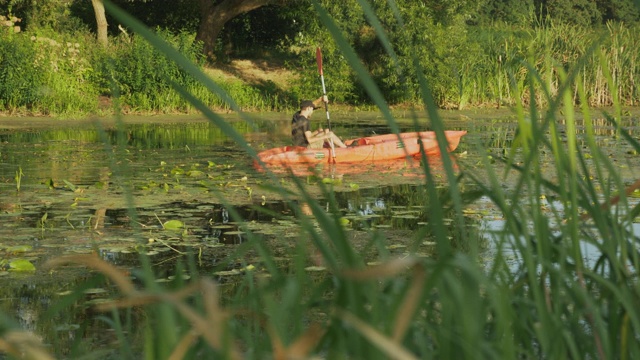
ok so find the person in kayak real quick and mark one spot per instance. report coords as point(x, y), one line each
point(301, 133)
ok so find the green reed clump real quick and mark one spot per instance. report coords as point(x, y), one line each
point(472, 65)
point(500, 76)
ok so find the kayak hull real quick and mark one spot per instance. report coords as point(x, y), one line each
point(366, 149)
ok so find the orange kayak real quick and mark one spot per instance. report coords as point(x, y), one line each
point(406, 167)
point(365, 149)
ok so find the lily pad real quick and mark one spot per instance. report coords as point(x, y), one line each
point(97, 301)
point(69, 185)
point(332, 181)
point(315, 268)
point(228, 273)
point(396, 246)
point(214, 245)
point(21, 265)
point(195, 173)
point(19, 248)
point(222, 227)
point(94, 291)
point(67, 327)
point(249, 267)
point(173, 225)
point(409, 217)
point(183, 276)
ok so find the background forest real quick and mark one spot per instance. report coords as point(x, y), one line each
point(472, 52)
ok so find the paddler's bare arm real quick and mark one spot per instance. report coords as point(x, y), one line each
point(322, 99)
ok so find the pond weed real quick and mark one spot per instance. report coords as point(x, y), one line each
point(18, 178)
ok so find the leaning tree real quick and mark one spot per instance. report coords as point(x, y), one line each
point(216, 13)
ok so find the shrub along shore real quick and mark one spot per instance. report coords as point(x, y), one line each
point(71, 75)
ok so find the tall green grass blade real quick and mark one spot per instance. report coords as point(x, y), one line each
point(356, 65)
point(538, 298)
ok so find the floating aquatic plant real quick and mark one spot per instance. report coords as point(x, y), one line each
point(21, 265)
point(18, 178)
point(173, 225)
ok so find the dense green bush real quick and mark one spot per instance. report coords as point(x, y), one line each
point(22, 71)
point(143, 77)
point(42, 73)
point(68, 81)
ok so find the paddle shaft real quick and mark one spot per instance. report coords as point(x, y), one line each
point(326, 104)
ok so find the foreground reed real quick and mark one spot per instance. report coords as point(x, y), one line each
point(550, 304)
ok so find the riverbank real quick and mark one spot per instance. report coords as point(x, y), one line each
point(12, 122)
point(253, 73)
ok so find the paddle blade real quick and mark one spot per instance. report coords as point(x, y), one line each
point(319, 60)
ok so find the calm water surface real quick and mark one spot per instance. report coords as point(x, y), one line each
point(67, 190)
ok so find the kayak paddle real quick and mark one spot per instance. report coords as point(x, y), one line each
point(326, 105)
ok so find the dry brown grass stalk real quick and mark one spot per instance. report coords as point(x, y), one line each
point(299, 349)
point(210, 326)
point(119, 277)
point(23, 345)
point(410, 303)
point(393, 349)
point(183, 345)
point(616, 199)
point(388, 269)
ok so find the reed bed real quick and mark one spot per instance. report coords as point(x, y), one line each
point(499, 77)
point(550, 304)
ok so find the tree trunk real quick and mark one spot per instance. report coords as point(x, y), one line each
point(101, 22)
point(217, 13)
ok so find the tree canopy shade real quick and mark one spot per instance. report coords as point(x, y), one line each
point(575, 12)
point(239, 24)
point(216, 13)
point(619, 10)
point(508, 11)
